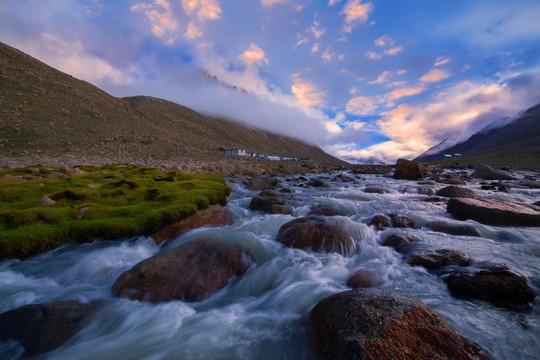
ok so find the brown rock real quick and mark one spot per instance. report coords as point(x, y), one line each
point(361, 279)
point(7, 177)
point(385, 324)
point(262, 183)
point(40, 328)
point(45, 200)
point(456, 191)
point(409, 170)
point(380, 222)
point(486, 172)
point(401, 221)
point(439, 258)
point(327, 210)
point(319, 233)
point(398, 241)
point(190, 272)
point(213, 216)
point(494, 212)
point(280, 209)
point(265, 203)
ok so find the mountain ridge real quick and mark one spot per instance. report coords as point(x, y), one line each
point(45, 111)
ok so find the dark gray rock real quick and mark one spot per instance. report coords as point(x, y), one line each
point(494, 212)
point(456, 191)
point(379, 221)
point(398, 241)
point(401, 221)
point(454, 229)
point(439, 258)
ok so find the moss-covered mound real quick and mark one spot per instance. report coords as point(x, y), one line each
point(50, 207)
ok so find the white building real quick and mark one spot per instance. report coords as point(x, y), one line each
point(236, 152)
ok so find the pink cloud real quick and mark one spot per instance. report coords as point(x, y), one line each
point(356, 13)
point(306, 93)
point(435, 75)
point(361, 105)
point(161, 18)
point(254, 55)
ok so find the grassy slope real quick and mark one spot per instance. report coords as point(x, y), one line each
point(127, 202)
point(45, 111)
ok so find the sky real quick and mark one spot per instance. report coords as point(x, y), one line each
point(364, 80)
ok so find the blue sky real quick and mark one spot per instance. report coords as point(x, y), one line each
point(365, 80)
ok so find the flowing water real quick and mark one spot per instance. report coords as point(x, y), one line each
point(265, 313)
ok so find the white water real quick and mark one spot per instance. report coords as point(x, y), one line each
point(264, 314)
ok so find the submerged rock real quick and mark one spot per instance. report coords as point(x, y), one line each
point(386, 324)
point(190, 272)
point(401, 221)
point(457, 192)
point(40, 328)
point(362, 279)
point(398, 241)
point(379, 221)
point(501, 287)
point(494, 212)
point(318, 233)
point(376, 189)
point(327, 210)
point(486, 172)
point(454, 229)
point(317, 182)
point(213, 216)
point(409, 170)
point(263, 183)
point(439, 258)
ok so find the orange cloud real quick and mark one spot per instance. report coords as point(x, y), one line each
point(205, 9)
point(384, 40)
point(254, 55)
point(267, 3)
point(435, 75)
point(306, 93)
point(372, 55)
point(161, 18)
point(355, 13)
point(192, 31)
point(394, 50)
point(382, 78)
point(361, 105)
point(400, 93)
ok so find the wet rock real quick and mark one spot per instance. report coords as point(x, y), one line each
point(380, 222)
point(374, 189)
point(439, 258)
point(327, 210)
point(530, 184)
point(343, 178)
point(190, 272)
point(265, 203)
point(457, 192)
point(494, 212)
point(213, 216)
point(501, 287)
point(454, 229)
point(401, 221)
point(40, 328)
point(262, 183)
point(280, 209)
point(486, 172)
point(318, 233)
point(318, 182)
point(409, 170)
point(358, 198)
point(431, 199)
point(386, 324)
point(361, 279)
point(398, 241)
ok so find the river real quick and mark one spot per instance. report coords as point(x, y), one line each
point(265, 313)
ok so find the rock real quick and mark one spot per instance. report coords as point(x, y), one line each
point(262, 183)
point(530, 184)
point(56, 175)
point(190, 272)
point(213, 216)
point(398, 241)
point(318, 182)
point(45, 200)
point(327, 210)
point(494, 212)
point(280, 209)
point(431, 199)
point(40, 328)
point(94, 186)
point(439, 258)
point(374, 189)
point(265, 203)
point(32, 170)
point(401, 221)
point(454, 229)
point(385, 324)
point(380, 222)
point(343, 178)
point(361, 279)
point(269, 193)
point(501, 287)
point(486, 172)
point(318, 233)
point(457, 192)
point(358, 198)
point(409, 170)
point(7, 177)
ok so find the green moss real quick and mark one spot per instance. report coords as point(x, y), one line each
point(106, 202)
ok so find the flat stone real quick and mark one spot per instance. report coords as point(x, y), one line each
point(494, 212)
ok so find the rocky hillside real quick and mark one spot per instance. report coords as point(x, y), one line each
point(517, 143)
point(44, 112)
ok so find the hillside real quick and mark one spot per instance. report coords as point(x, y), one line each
point(517, 144)
point(44, 111)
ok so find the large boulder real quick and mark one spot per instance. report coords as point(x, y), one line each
point(213, 216)
point(494, 212)
point(486, 172)
point(456, 191)
point(409, 170)
point(439, 258)
point(385, 324)
point(40, 328)
point(327, 210)
point(318, 233)
point(317, 182)
point(263, 183)
point(190, 272)
point(501, 287)
point(265, 203)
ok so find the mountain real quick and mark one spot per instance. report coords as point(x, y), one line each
point(47, 112)
point(516, 143)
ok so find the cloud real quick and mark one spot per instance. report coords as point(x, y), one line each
point(441, 61)
point(93, 7)
point(307, 94)
point(435, 75)
point(254, 55)
point(394, 50)
point(327, 55)
point(403, 92)
point(382, 78)
point(161, 18)
point(355, 13)
point(268, 3)
point(316, 31)
point(372, 55)
point(315, 48)
point(384, 41)
point(361, 106)
point(300, 42)
point(192, 32)
point(205, 9)
point(333, 2)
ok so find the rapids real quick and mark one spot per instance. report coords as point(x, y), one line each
point(265, 313)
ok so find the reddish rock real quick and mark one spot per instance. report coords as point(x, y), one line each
point(7, 177)
point(386, 325)
point(190, 272)
point(213, 216)
point(327, 210)
point(501, 287)
point(398, 241)
point(409, 170)
point(401, 221)
point(380, 222)
point(318, 233)
point(40, 328)
point(439, 258)
point(457, 192)
point(361, 279)
point(494, 212)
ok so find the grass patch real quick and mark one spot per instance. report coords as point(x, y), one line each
point(104, 203)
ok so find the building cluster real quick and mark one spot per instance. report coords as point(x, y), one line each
point(242, 152)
